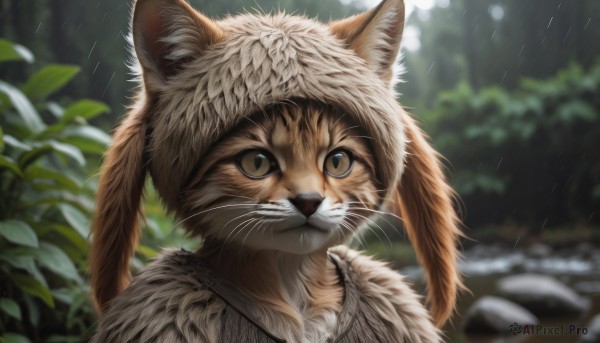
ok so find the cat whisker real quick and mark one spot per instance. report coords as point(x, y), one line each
point(239, 196)
point(377, 212)
point(382, 216)
point(259, 221)
point(235, 230)
point(238, 217)
point(356, 234)
point(212, 209)
point(370, 228)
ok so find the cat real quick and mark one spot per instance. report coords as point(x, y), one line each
point(275, 138)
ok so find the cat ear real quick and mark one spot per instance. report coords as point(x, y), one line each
point(168, 33)
point(375, 36)
point(424, 201)
point(115, 228)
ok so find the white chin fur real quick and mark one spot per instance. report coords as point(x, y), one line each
point(293, 233)
point(302, 239)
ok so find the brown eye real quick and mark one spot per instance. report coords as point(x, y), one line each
point(339, 163)
point(256, 164)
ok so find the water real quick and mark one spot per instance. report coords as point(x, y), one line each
point(579, 268)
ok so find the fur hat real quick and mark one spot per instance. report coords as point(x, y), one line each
point(201, 78)
point(204, 85)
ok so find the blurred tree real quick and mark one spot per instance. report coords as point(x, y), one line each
point(494, 42)
point(529, 156)
point(92, 34)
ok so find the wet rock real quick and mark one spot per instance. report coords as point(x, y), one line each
point(539, 250)
point(494, 315)
point(595, 256)
point(584, 250)
point(593, 330)
point(544, 296)
point(589, 287)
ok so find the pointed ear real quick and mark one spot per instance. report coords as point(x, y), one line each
point(424, 200)
point(375, 35)
point(115, 228)
point(169, 33)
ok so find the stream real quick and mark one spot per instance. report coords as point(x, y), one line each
point(482, 266)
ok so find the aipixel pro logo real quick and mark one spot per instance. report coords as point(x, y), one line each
point(516, 329)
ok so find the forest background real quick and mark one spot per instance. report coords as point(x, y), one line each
point(509, 91)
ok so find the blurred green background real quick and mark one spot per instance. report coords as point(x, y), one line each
point(509, 92)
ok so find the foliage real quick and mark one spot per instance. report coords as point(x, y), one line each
point(491, 42)
point(45, 202)
point(93, 36)
point(530, 155)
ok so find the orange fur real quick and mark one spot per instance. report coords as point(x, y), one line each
point(425, 201)
point(115, 227)
point(193, 97)
point(423, 198)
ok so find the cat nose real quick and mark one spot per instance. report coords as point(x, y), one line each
point(307, 203)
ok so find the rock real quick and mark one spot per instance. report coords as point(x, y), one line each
point(593, 330)
point(584, 250)
point(539, 250)
point(544, 296)
point(494, 315)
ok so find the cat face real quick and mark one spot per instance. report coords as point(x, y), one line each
point(295, 178)
point(201, 77)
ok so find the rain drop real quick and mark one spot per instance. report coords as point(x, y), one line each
point(92, 49)
point(430, 67)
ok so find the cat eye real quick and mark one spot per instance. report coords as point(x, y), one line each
point(339, 163)
point(256, 164)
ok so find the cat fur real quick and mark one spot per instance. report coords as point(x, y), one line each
point(200, 78)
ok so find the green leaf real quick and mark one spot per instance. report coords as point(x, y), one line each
point(56, 109)
point(26, 110)
point(18, 232)
point(86, 109)
point(41, 149)
point(90, 132)
point(10, 307)
point(1, 140)
point(48, 80)
point(72, 235)
point(37, 173)
point(73, 316)
point(76, 219)
point(11, 337)
point(4, 102)
point(17, 258)
point(10, 51)
point(63, 295)
point(86, 145)
point(146, 251)
point(33, 308)
point(15, 143)
point(29, 157)
point(54, 259)
point(10, 164)
point(69, 151)
point(33, 287)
